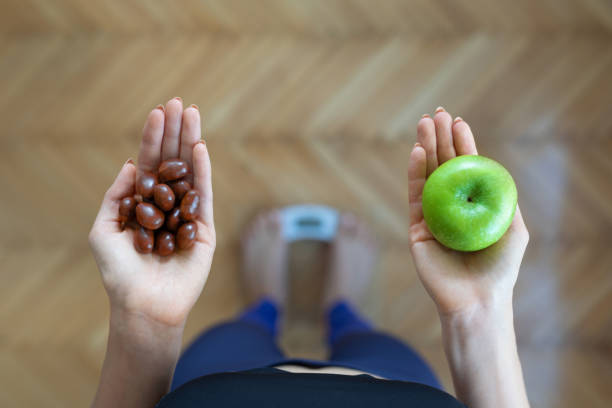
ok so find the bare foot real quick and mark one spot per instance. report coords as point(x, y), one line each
point(353, 254)
point(264, 258)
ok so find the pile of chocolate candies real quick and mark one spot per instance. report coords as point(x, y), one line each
point(163, 210)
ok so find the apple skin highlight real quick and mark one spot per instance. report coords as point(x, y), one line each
point(469, 202)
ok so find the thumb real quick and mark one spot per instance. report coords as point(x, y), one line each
point(517, 232)
point(511, 247)
point(123, 186)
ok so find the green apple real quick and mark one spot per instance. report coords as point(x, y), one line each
point(469, 202)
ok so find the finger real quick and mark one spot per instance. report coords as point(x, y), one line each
point(514, 242)
point(191, 133)
point(123, 186)
point(518, 227)
point(426, 136)
point(463, 137)
point(150, 145)
point(202, 181)
point(172, 129)
point(444, 135)
point(417, 174)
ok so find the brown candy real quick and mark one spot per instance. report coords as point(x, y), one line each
point(186, 235)
point(163, 196)
point(145, 183)
point(164, 243)
point(149, 216)
point(127, 206)
point(162, 212)
point(180, 187)
point(173, 219)
point(173, 169)
point(143, 240)
point(190, 205)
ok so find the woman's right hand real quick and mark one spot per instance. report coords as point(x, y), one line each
point(457, 281)
point(159, 289)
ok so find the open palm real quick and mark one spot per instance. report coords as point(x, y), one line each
point(159, 288)
point(457, 280)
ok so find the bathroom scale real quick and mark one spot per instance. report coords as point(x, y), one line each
point(309, 222)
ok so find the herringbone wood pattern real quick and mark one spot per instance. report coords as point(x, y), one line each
point(305, 101)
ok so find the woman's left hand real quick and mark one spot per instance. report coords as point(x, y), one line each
point(160, 289)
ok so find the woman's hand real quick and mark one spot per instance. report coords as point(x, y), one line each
point(457, 281)
point(160, 289)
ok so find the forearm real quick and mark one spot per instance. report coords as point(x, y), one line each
point(480, 346)
point(140, 359)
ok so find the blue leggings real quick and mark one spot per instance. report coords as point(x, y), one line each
point(249, 342)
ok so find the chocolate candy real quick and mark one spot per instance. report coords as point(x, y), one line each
point(186, 235)
point(145, 183)
point(180, 187)
point(126, 209)
point(190, 205)
point(164, 243)
point(162, 213)
point(173, 169)
point(149, 216)
point(143, 240)
point(173, 219)
point(163, 197)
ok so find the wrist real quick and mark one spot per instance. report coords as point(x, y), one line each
point(144, 308)
point(148, 347)
point(492, 310)
point(491, 324)
point(141, 331)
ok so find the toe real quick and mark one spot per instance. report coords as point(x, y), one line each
point(260, 222)
point(444, 136)
point(273, 220)
point(362, 229)
point(426, 135)
point(463, 138)
point(252, 227)
point(366, 235)
point(172, 129)
point(348, 224)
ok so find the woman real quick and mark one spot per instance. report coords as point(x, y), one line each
point(238, 363)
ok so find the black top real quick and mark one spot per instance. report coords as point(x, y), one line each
point(270, 387)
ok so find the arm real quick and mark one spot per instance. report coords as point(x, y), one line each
point(150, 296)
point(472, 290)
point(481, 351)
point(140, 359)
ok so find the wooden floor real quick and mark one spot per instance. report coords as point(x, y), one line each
point(305, 101)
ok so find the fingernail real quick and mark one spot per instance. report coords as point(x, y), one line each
point(417, 144)
point(129, 161)
point(201, 141)
point(193, 105)
point(440, 109)
point(178, 98)
point(160, 107)
point(426, 115)
point(457, 119)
